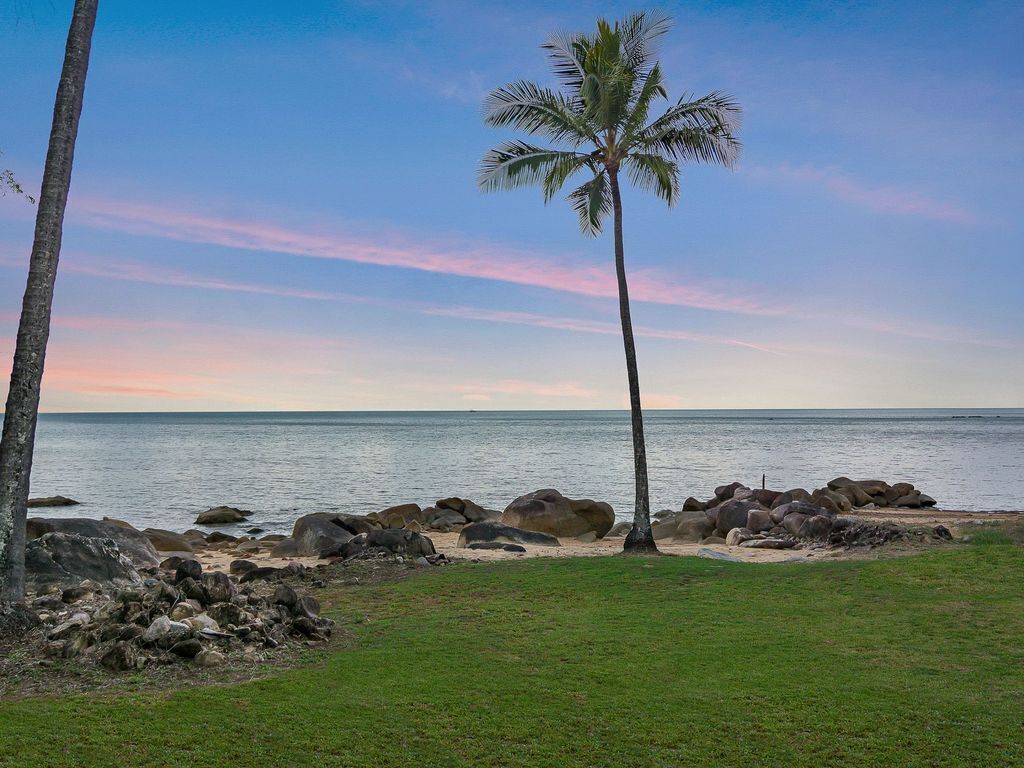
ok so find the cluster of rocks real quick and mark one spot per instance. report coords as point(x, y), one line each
point(539, 518)
point(761, 518)
point(171, 612)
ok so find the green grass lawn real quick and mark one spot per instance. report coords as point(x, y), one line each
point(916, 661)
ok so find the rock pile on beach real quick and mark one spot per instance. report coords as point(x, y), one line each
point(761, 518)
point(176, 612)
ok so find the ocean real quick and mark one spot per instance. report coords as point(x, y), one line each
point(160, 470)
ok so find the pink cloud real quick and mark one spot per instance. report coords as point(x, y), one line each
point(586, 326)
point(489, 263)
point(881, 199)
point(481, 390)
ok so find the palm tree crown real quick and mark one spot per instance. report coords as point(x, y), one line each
point(600, 117)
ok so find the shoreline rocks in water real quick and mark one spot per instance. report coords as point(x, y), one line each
point(52, 501)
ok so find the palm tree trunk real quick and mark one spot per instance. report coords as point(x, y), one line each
point(640, 538)
point(22, 408)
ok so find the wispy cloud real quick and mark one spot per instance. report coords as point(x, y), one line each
point(888, 199)
point(483, 262)
point(586, 326)
point(483, 390)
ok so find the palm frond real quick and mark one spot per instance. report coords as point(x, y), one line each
point(654, 173)
point(565, 54)
point(652, 87)
point(517, 164)
point(561, 170)
point(592, 202)
point(640, 33)
point(703, 130)
point(529, 107)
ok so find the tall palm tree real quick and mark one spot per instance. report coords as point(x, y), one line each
point(22, 408)
point(599, 120)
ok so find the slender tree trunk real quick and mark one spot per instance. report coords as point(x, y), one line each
point(34, 330)
point(640, 538)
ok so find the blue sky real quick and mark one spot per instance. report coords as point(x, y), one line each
point(274, 207)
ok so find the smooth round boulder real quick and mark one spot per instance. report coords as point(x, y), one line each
point(694, 505)
point(726, 492)
point(793, 521)
point(548, 511)
point(737, 536)
point(312, 534)
point(167, 541)
point(693, 528)
point(400, 514)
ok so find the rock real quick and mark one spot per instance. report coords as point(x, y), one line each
point(737, 536)
point(228, 613)
point(238, 567)
point(401, 542)
point(263, 572)
point(694, 505)
point(188, 569)
point(470, 510)
point(734, 514)
point(307, 606)
point(201, 622)
point(800, 507)
point(187, 649)
point(663, 529)
point(619, 529)
point(130, 542)
point(354, 524)
point(443, 519)
point(414, 525)
point(759, 520)
point(713, 540)
point(793, 521)
point(165, 633)
point(851, 490)
point(899, 489)
point(712, 554)
point(497, 545)
point(222, 516)
point(219, 537)
point(398, 516)
point(828, 499)
point(167, 541)
point(285, 548)
point(726, 492)
point(693, 527)
point(74, 594)
point(926, 500)
point(765, 496)
point(51, 501)
point(768, 543)
point(548, 511)
point(182, 611)
point(65, 559)
point(794, 494)
point(817, 527)
point(587, 538)
point(285, 595)
point(209, 658)
point(120, 657)
point(69, 627)
point(494, 531)
point(314, 533)
point(218, 587)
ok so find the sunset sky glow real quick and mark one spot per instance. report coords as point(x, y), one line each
point(274, 207)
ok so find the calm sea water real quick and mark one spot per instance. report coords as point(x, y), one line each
point(161, 469)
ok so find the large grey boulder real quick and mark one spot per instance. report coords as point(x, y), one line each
point(734, 513)
point(548, 511)
point(167, 541)
point(66, 559)
point(494, 531)
point(52, 501)
point(131, 542)
point(315, 533)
